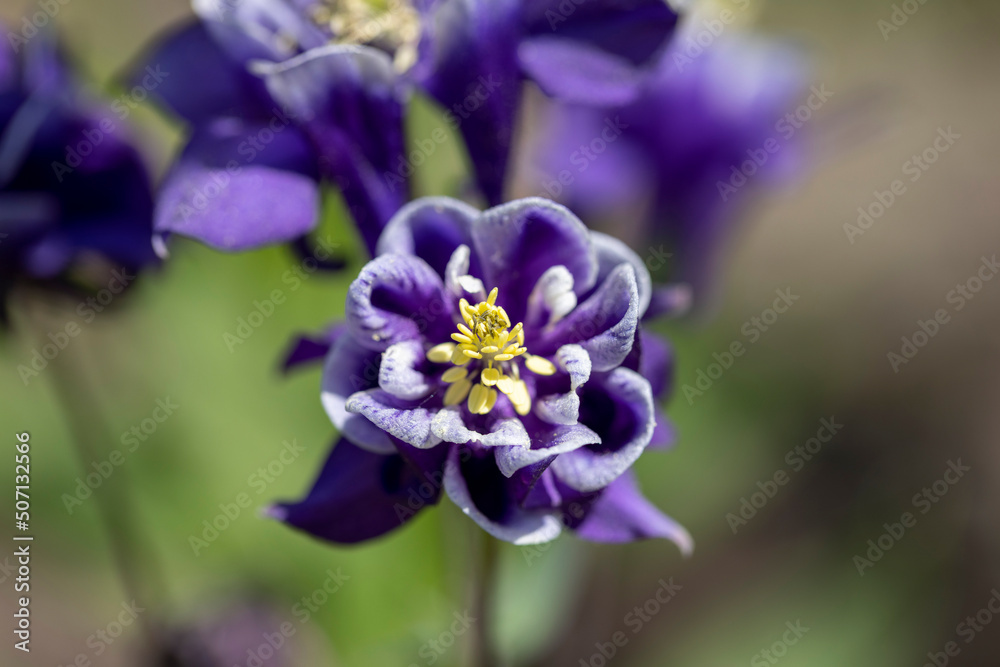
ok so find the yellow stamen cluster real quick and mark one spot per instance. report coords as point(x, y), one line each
point(392, 23)
point(487, 337)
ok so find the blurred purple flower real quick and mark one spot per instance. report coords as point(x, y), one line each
point(678, 150)
point(497, 356)
point(262, 140)
point(475, 54)
point(72, 185)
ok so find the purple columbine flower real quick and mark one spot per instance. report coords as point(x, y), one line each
point(676, 157)
point(274, 107)
point(476, 54)
point(72, 185)
point(498, 356)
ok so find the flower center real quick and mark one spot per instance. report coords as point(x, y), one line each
point(487, 339)
point(391, 25)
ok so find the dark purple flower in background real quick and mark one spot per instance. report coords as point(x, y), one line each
point(262, 141)
point(679, 152)
point(72, 185)
point(475, 54)
point(496, 356)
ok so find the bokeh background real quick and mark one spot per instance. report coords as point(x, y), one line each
point(826, 358)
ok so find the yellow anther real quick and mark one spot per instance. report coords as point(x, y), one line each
point(441, 354)
point(478, 398)
point(457, 392)
point(454, 374)
point(486, 335)
point(540, 365)
point(490, 376)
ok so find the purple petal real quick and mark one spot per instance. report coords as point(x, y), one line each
point(398, 298)
point(400, 418)
point(350, 101)
point(622, 514)
point(484, 495)
point(309, 348)
point(618, 406)
point(430, 228)
point(351, 368)
point(191, 74)
point(241, 185)
point(468, 63)
point(545, 446)
point(357, 496)
point(449, 426)
point(610, 253)
point(399, 372)
point(272, 29)
point(518, 242)
point(579, 73)
point(669, 301)
point(656, 363)
point(565, 408)
point(604, 325)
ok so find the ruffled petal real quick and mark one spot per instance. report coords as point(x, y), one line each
point(610, 253)
point(402, 419)
point(565, 408)
point(242, 185)
point(449, 426)
point(358, 496)
point(622, 514)
point(399, 372)
point(551, 443)
point(618, 406)
point(604, 325)
point(518, 242)
point(351, 368)
point(431, 228)
point(474, 484)
point(398, 298)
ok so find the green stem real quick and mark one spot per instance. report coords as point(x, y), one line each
point(483, 587)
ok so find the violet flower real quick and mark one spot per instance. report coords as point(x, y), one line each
point(498, 356)
point(678, 151)
point(476, 53)
point(72, 185)
point(263, 141)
